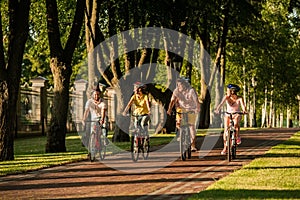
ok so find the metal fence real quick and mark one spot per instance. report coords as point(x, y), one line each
point(36, 101)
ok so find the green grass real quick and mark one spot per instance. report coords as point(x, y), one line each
point(29, 155)
point(274, 176)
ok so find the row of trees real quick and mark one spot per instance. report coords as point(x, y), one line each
point(246, 39)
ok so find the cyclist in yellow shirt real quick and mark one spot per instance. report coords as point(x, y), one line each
point(141, 108)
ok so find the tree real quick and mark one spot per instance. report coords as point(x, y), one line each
point(60, 64)
point(267, 47)
point(10, 72)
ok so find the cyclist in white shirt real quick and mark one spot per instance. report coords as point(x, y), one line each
point(97, 108)
point(185, 99)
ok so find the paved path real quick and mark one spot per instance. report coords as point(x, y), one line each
point(157, 178)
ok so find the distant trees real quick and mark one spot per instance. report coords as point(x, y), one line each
point(267, 49)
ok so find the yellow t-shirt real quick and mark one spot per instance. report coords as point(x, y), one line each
point(140, 105)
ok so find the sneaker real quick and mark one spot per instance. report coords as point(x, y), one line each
point(106, 142)
point(178, 139)
point(239, 140)
point(194, 149)
point(223, 152)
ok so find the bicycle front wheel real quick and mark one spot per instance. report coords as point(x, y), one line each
point(182, 143)
point(146, 147)
point(233, 152)
point(102, 147)
point(92, 147)
point(134, 148)
point(233, 146)
point(188, 144)
point(228, 143)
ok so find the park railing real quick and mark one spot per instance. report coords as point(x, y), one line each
point(36, 101)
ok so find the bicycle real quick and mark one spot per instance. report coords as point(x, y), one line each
point(97, 141)
point(231, 137)
point(140, 140)
point(184, 137)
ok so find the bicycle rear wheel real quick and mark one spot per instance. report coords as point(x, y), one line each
point(146, 147)
point(182, 143)
point(134, 148)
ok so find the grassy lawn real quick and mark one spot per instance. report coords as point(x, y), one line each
point(274, 176)
point(30, 155)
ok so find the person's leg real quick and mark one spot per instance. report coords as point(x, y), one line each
point(178, 120)
point(192, 127)
point(237, 120)
point(193, 137)
point(144, 123)
point(226, 123)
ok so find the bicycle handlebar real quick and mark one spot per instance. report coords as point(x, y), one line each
point(233, 113)
point(188, 112)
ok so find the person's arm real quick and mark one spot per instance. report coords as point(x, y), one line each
point(196, 100)
point(103, 112)
point(217, 110)
point(128, 106)
point(243, 105)
point(172, 102)
point(85, 114)
point(148, 104)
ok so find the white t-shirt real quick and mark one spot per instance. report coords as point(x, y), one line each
point(186, 99)
point(95, 110)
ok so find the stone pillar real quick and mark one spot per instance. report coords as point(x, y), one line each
point(155, 114)
point(39, 85)
point(79, 102)
point(112, 107)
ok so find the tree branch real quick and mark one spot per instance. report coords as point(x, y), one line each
point(75, 30)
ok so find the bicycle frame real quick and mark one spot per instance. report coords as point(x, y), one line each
point(140, 141)
point(231, 137)
point(184, 137)
point(96, 142)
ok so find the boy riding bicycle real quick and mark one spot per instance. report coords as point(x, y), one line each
point(185, 100)
point(97, 109)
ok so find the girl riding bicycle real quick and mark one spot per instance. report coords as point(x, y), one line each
point(233, 102)
point(141, 104)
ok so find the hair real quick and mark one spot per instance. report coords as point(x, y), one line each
point(183, 81)
point(233, 91)
point(139, 85)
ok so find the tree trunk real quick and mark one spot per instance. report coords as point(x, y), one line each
point(93, 38)
point(271, 111)
point(60, 64)
point(57, 130)
point(10, 74)
point(6, 136)
point(220, 64)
